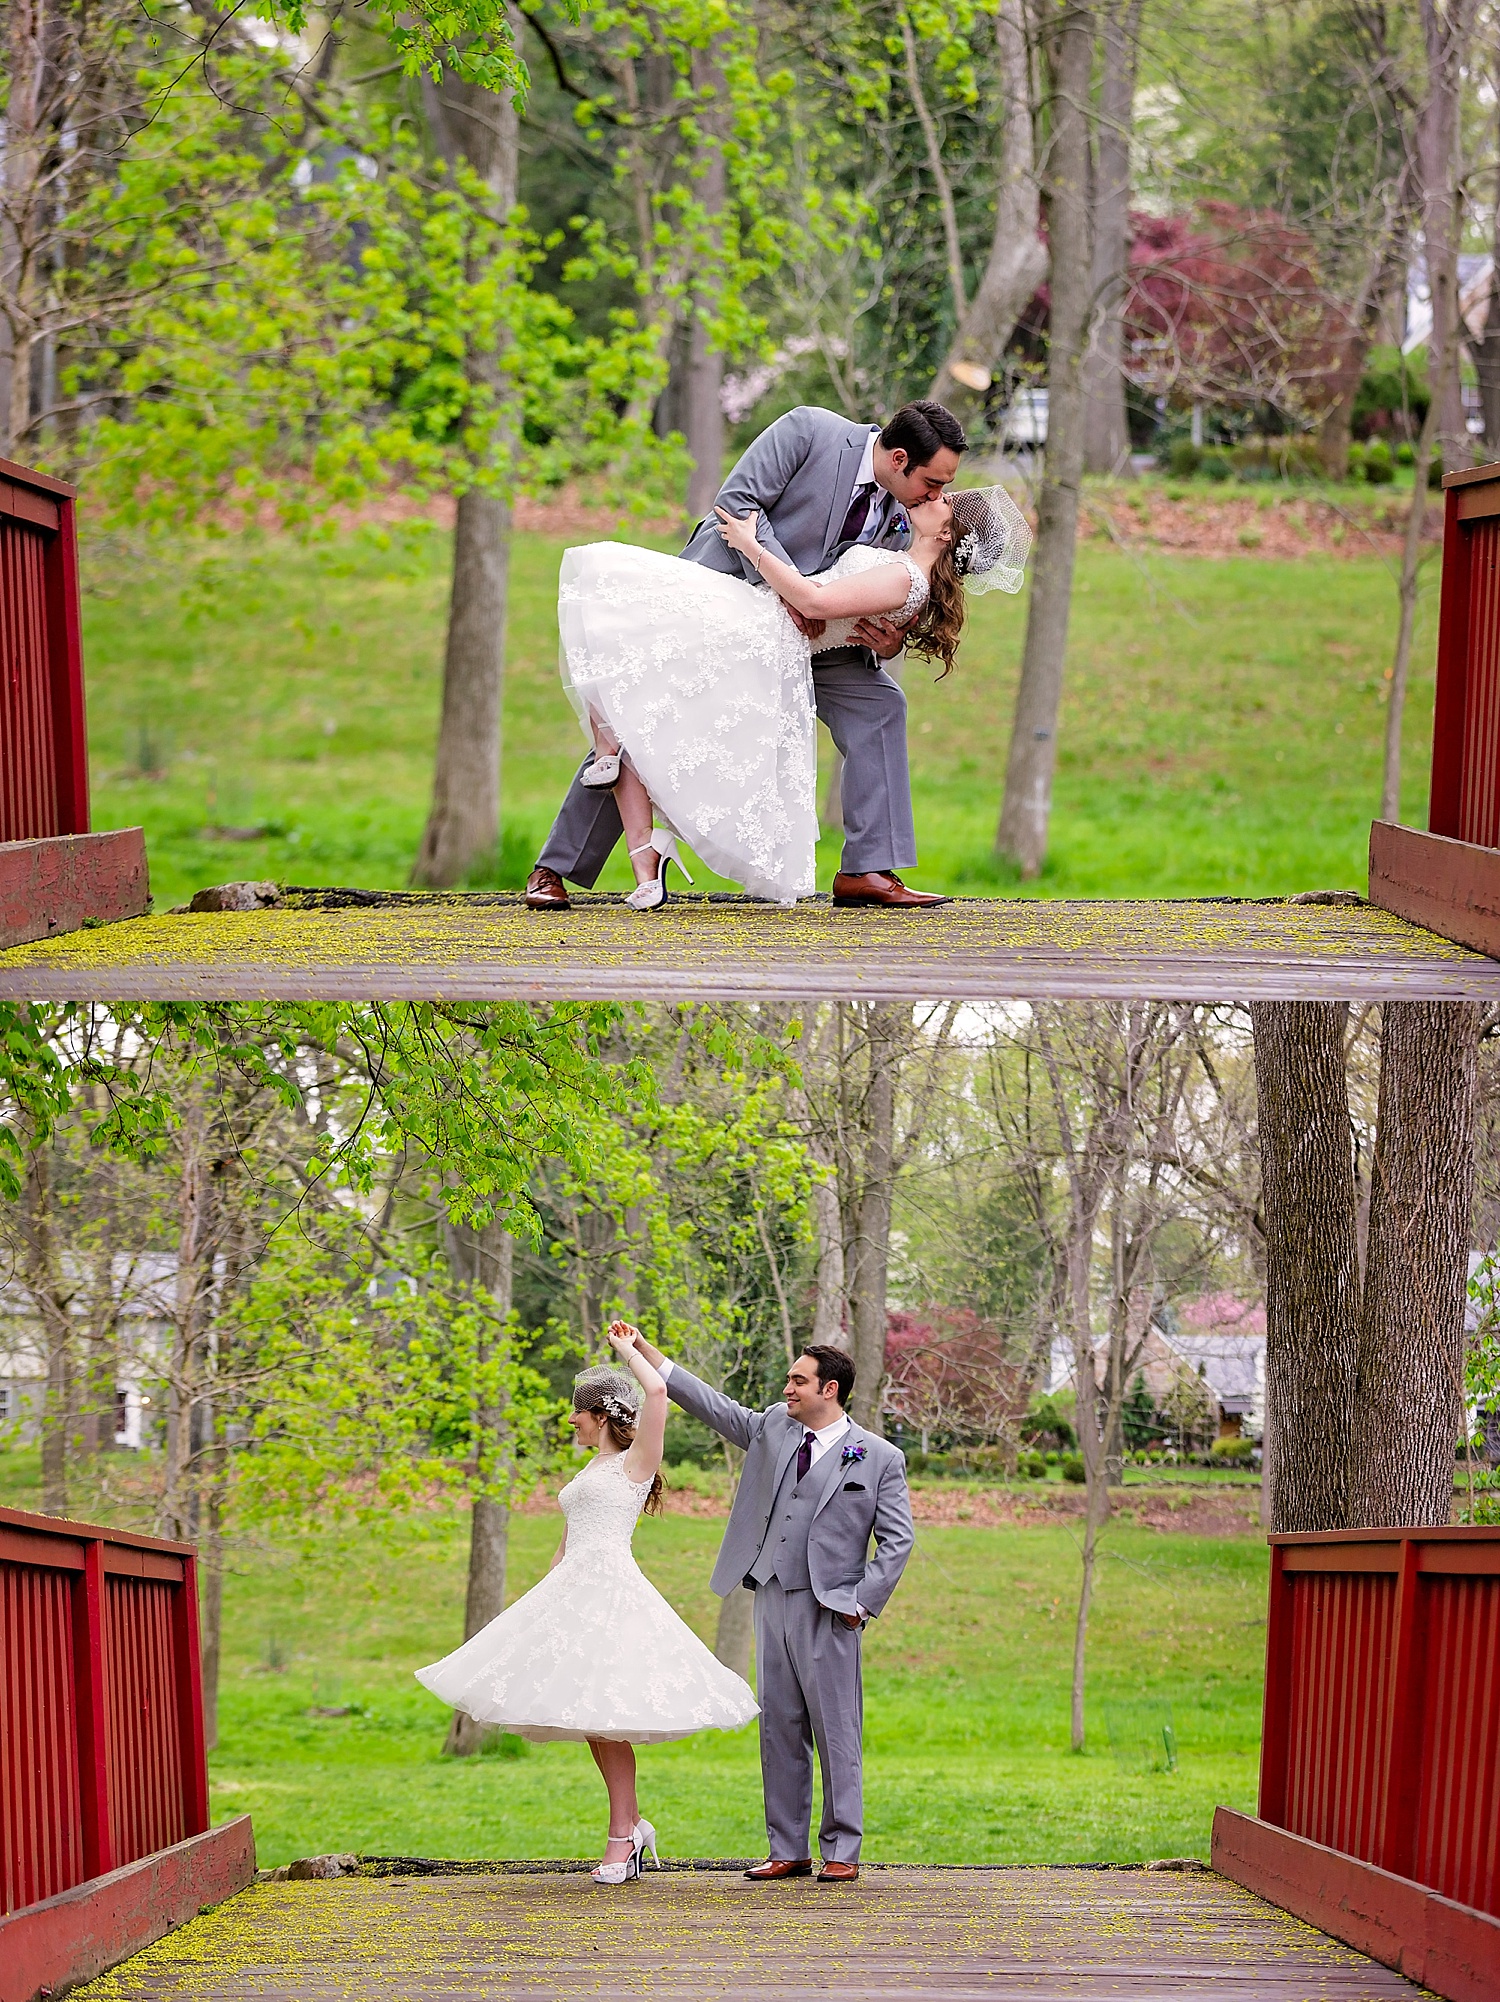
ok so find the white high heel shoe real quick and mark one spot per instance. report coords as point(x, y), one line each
point(651, 894)
point(603, 772)
point(621, 1873)
point(645, 1835)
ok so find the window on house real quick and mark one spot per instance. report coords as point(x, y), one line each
point(4, 1402)
point(122, 1413)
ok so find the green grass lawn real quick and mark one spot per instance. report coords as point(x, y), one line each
point(1221, 727)
point(967, 1755)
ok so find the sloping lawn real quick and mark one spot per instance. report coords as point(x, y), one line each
point(1221, 727)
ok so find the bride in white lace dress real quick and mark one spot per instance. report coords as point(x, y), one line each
point(594, 1652)
point(696, 687)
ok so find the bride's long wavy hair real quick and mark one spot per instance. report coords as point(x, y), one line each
point(619, 1424)
point(940, 624)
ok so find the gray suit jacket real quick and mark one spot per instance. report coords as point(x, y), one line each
point(800, 473)
point(860, 1498)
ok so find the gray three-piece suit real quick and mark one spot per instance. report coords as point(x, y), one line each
point(800, 474)
point(805, 1547)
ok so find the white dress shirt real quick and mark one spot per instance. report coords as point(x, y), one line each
point(866, 482)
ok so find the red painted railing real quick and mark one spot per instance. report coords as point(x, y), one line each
point(1382, 1720)
point(101, 1703)
point(44, 778)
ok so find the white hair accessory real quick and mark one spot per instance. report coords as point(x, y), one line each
point(619, 1394)
point(991, 540)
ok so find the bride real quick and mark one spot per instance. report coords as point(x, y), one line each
point(594, 1651)
point(696, 686)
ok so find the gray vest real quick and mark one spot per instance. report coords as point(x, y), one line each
point(783, 1554)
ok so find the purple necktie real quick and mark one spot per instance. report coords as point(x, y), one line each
point(804, 1455)
point(858, 515)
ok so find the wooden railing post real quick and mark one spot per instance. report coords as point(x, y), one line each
point(1401, 1782)
point(89, 1671)
point(186, 1651)
point(1275, 1737)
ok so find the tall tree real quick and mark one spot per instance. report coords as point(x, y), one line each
point(1312, 1258)
point(1106, 443)
point(1408, 1391)
point(482, 1258)
point(1026, 810)
point(479, 129)
point(1017, 261)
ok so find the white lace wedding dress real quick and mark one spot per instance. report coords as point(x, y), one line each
point(706, 682)
point(594, 1650)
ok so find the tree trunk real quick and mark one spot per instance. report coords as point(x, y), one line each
point(1312, 1258)
point(213, 1612)
point(1017, 261)
point(1446, 32)
point(482, 129)
point(1408, 1405)
point(1094, 1520)
point(463, 827)
point(829, 1309)
point(1026, 811)
point(28, 36)
point(867, 1217)
point(482, 1258)
point(1406, 598)
point(1106, 435)
point(736, 1631)
point(1485, 351)
point(703, 412)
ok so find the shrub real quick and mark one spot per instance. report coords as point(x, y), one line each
point(1356, 461)
point(1231, 1452)
point(1276, 459)
point(1033, 1465)
point(1072, 1469)
point(1379, 471)
point(1184, 459)
point(1217, 466)
point(1406, 453)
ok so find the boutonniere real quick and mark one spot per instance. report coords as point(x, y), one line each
point(852, 1455)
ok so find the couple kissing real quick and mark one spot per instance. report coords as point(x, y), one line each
point(698, 679)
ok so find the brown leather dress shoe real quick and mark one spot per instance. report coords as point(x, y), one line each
point(546, 891)
point(838, 1873)
point(883, 888)
point(766, 1873)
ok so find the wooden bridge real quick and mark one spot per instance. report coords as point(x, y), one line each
point(895, 1936)
point(330, 946)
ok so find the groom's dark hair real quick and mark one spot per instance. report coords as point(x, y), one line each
point(834, 1366)
point(921, 430)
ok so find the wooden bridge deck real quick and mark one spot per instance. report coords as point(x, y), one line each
point(899, 1935)
point(983, 949)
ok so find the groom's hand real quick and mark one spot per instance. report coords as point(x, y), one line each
point(812, 627)
point(883, 637)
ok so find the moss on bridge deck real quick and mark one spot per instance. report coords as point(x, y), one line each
point(478, 948)
point(898, 1933)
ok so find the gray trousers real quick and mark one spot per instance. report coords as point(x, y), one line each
point(807, 1672)
point(865, 711)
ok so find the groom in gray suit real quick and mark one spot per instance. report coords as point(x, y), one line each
point(814, 1489)
point(820, 482)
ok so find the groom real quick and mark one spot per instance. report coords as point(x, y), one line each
point(814, 1489)
point(821, 482)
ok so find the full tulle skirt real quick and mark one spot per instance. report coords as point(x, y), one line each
point(593, 1651)
point(707, 685)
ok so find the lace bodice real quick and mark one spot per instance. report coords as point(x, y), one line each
point(860, 558)
point(602, 1505)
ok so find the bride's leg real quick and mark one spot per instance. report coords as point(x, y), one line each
point(617, 1764)
point(634, 802)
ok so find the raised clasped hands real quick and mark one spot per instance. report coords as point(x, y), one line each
point(622, 1337)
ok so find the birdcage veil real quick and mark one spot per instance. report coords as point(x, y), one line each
point(618, 1394)
point(991, 540)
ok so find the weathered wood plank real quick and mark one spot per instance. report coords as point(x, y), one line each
point(899, 1935)
point(973, 949)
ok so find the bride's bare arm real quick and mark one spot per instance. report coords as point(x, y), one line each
point(865, 596)
point(560, 1553)
point(643, 1461)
